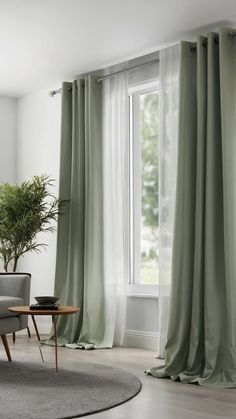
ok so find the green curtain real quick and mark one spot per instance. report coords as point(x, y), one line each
point(201, 342)
point(79, 264)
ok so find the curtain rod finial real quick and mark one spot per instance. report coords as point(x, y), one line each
point(52, 93)
point(231, 35)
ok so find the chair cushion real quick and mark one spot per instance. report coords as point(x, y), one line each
point(6, 302)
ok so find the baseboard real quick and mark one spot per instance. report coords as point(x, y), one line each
point(142, 340)
point(133, 338)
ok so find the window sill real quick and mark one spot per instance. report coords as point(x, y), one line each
point(142, 290)
point(142, 295)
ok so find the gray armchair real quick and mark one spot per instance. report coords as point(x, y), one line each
point(14, 291)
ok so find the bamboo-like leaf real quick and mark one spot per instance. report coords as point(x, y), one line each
point(26, 210)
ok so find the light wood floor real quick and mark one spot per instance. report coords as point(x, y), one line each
point(159, 398)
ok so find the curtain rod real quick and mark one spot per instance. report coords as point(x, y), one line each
point(52, 93)
point(230, 35)
point(135, 67)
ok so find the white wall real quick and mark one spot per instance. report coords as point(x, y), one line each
point(142, 322)
point(38, 148)
point(7, 139)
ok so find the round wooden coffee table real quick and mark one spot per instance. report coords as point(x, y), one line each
point(61, 311)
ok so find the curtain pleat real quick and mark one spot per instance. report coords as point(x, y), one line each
point(201, 342)
point(167, 161)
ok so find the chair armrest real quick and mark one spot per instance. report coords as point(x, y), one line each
point(16, 285)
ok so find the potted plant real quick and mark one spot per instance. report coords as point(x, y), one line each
point(25, 210)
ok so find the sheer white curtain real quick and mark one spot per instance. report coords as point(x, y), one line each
point(168, 136)
point(115, 186)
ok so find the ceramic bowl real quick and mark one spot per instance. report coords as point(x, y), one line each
point(46, 299)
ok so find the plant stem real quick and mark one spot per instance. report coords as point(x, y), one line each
point(15, 264)
point(5, 265)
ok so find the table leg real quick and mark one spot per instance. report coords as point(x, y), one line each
point(38, 336)
point(28, 330)
point(54, 320)
point(35, 326)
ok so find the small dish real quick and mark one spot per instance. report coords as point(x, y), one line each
point(46, 299)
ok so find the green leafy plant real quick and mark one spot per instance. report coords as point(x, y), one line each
point(25, 210)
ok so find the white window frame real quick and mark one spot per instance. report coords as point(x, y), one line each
point(135, 287)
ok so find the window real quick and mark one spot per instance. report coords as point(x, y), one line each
point(144, 224)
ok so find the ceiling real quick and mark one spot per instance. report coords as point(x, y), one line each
point(46, 41)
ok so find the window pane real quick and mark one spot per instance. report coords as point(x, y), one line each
point(149, 187)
